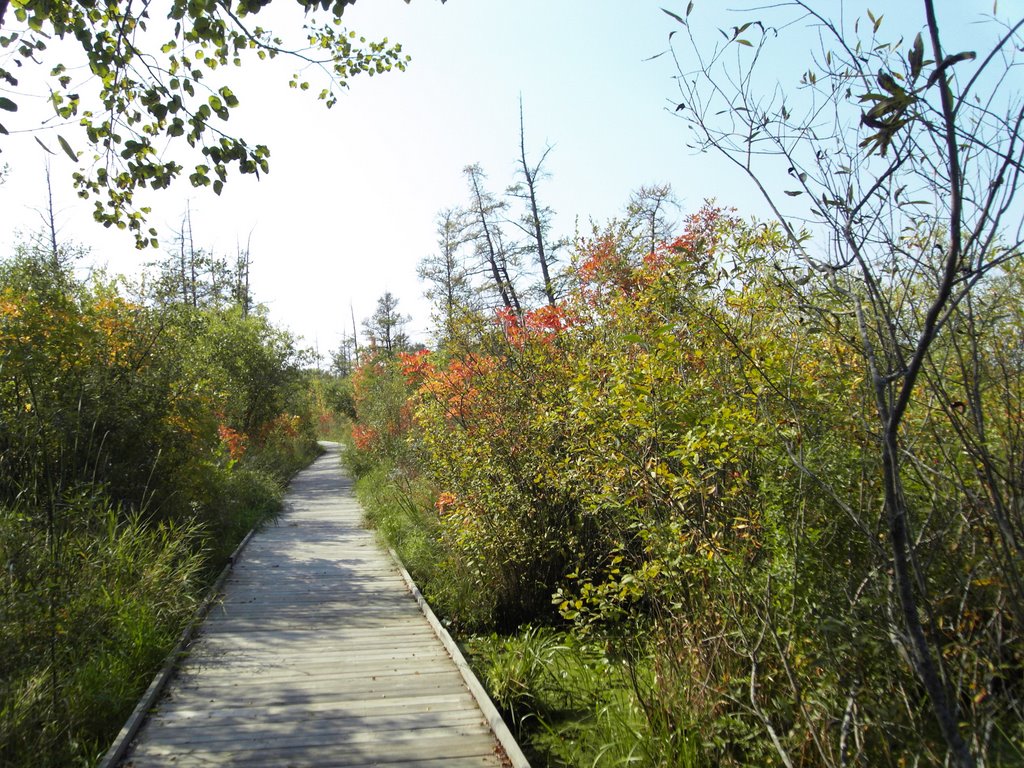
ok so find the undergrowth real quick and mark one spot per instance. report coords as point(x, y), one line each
point(572, 703)
point(138, 445)
point(569, 701)
point(401, 523)
point(93, 598)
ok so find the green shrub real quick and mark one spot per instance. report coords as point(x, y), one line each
point(242, 499)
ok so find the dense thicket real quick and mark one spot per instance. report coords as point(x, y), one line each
point(675, 468)
point(139, 441)
point(767, 477)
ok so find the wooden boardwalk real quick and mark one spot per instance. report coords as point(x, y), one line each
point(317, 655)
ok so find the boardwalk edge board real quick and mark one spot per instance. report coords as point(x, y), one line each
point(119, 748)
point(494, 719)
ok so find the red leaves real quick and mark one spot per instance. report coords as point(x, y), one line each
point(455, 385)
point(604, 265)
point(609, 265)
point(547, 321)
point(283, 425)
point(543, 324)
point(701, 235)
point(416, 366)
point(363, 437)
point(444, 502)
point(236, 442)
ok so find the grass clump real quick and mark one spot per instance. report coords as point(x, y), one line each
point(88, 613)
point(400, 520)
point(572, 703)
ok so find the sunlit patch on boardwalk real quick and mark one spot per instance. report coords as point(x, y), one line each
point(317, 655)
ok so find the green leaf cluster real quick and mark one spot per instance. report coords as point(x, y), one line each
point(157, 85)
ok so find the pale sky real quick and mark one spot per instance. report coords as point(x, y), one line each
point(348, 209)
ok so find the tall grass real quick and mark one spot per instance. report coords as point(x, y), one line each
point(93, 597)
point(86, 619)
point(572, 703)
point(393, 511)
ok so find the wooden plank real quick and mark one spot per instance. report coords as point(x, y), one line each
point(316, 668)
point(365, 751)
point(317, 654)
point(322, 761)
point(245, 660)
point(330, 657)
point(334, 677)
point(257, 735)
point(255, 634)
point(301, 694)
point(309, 596)
point(331, 663)
point(339, 638)
point(314, 710)
point(412, 718)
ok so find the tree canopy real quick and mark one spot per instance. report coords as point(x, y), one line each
point(155, 80)
point(386, 327)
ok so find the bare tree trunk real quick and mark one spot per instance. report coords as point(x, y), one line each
point(502, 262)
point(182, 264)
point(647, 206)
point(355, 333)
point(925, 666)
point(242, 261)
point(192, 258)
point(945, 709)
point(536, 226)
point(247, 295)
point(495, 260)
point(51, 223)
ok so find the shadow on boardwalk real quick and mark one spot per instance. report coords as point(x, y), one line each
point(317, 655)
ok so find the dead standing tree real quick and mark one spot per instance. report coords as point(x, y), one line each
point(894, 169)
point(484, 213)
point(536, 221)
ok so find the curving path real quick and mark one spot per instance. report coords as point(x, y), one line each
point(318, 655)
